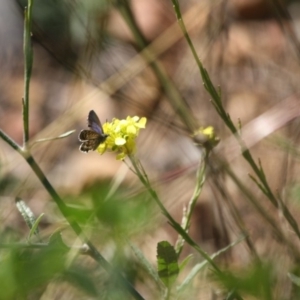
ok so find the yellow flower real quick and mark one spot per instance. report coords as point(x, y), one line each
point(206, 136)
point(122, 135)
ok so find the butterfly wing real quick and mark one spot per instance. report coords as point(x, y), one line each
point(89, 145)
point(94, 122)
point(86, 135)
point(90, 140)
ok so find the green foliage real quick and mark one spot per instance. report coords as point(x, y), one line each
point(120, 212)
point(24, 272)
point(167, 264)
point(256, 281)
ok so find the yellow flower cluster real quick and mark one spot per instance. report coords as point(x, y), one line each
point(121, 136)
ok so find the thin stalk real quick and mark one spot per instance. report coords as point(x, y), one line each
point(28, 56)
point(10, 141)
point(197, 191)
point(168, 294)
point(186, 221)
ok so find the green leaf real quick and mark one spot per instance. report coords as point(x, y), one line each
point(167, 263)
point(57, 241)
point(35, 229)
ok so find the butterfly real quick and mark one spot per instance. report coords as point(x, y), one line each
point(92, 138)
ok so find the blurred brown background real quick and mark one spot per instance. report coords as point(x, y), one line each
point(86, 58)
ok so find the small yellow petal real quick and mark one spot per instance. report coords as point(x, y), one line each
point(101, 149)
point(120, 141)
point(209, 131)
point(142, 122)
point(131, 129)
point(123, 123)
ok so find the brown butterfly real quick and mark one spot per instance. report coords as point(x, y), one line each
point(92, 138)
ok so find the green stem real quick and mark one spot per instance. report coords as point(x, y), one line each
point(10, 141)
point(186, 221)
point(197, 191)
point(168, 294)
point(28, 55)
